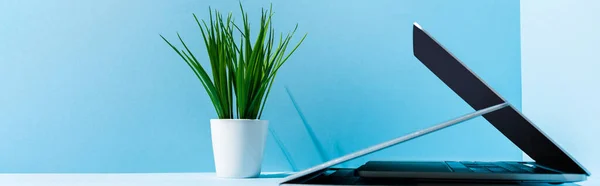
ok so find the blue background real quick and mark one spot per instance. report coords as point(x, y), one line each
point(89, 86)
point(560, 75)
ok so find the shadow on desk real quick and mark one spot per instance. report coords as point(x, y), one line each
point(351, 179)
point(274, 175)
point(448, 183)
point(488, 184)
point(407, 183)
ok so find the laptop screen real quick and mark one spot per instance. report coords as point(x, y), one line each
point(479, 95)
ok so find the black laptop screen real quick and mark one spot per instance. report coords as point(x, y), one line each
point(478, 95)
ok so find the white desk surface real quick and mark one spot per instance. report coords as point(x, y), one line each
point(137, 179)
point(143, 179)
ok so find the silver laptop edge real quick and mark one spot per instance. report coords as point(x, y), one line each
point(393, 142)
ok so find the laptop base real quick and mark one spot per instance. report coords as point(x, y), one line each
point(348, 176)
point(466, 171)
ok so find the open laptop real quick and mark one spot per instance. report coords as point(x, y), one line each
point(552, 164)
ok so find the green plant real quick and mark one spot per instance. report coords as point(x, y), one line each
point(246, 69)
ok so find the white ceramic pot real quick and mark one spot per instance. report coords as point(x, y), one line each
point(238, 146)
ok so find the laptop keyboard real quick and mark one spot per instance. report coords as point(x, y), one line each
point(490, 167)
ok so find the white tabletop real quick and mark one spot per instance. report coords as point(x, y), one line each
point(145, 179)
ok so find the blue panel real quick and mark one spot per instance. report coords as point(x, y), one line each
point(88, 86)
point(560, 76)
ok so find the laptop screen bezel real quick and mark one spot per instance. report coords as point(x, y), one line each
point(478, 94)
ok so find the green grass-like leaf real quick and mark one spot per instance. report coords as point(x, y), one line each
point(243, 70)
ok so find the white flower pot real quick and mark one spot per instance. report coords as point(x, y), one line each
point(238, 146)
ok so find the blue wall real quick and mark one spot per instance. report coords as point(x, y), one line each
point(88, 86)
point(560, 75)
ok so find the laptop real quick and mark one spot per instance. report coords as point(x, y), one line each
point(551, 163)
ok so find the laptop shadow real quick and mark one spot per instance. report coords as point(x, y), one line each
point(274, 175)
